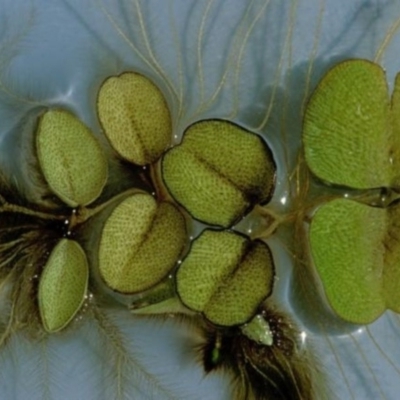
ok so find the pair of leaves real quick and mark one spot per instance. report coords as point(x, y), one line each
point(218, 173)
point(75, 167)
point(135, 119)
point(142, 239)
point(352, 138)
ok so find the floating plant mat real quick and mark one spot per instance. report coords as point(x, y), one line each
point(225, 277)
point(52, 282)
point(57, 273)
point(351, 137)
point(55, 280)
point(234, 75)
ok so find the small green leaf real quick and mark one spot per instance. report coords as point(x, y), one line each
point(259, 331)
point(219, 172)
point(348, 132)
point(356, 252)
point(72, 160)
point(63, 285)
point(226, 276)
point(135, 117)
point(140, 243)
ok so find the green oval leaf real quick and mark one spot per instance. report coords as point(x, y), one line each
point(347, 133)
point(356, 252)
point(219, 172)
point(140, 243)
point(72, 160)
point(226, 276)
point(135, 117)
point(62, 285)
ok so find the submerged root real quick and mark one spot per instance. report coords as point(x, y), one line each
point(284, 370)
point(25, 245)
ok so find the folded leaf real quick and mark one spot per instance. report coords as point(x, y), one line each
point(62, 285)
point(219, 172)
point(140, 243)
point(226, 276)
point(72, 160)
point(135, 117)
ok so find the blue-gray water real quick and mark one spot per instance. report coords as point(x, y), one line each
point(253, 62)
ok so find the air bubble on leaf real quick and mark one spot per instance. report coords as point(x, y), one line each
point(356, 252)
point(348, 132)
point(63, 285)
point(225, 276)
point(135, 117)
point(140, 243)
point(72, 160)
point(219, 171)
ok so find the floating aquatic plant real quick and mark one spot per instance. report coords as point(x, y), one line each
point(217, 173)
point(263, 357)
point(225, 277)
point(351, 138)
point(223, 82)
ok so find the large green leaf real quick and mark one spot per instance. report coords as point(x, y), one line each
point(348, 132)
point(219, 171)
point(356, 252)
